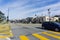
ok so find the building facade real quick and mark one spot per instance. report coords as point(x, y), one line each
point(47, 18)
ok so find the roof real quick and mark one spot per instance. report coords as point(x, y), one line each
point(57, 16)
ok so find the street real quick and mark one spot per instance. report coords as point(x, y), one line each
point(32, 32)
point(29, 19)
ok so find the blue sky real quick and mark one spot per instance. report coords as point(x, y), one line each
point(19, 9)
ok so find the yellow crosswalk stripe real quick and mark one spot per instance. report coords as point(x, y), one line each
point(54, 36)
point(22, 37)
point(54, 32)
point(5, 30)
point(40, 37)
point(3, 37)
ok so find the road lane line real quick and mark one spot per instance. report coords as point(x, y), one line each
point(40, 37)
point(22, 37)
point(54, 36)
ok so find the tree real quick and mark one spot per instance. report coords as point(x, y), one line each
point(57, 21)
point(33, 20)
point(29, 19)
point(2, 17)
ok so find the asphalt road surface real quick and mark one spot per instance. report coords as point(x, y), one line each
point(32, 32)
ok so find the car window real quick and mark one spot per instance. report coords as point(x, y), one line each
point(51, 24)
point(57, 23)
point(46, 23)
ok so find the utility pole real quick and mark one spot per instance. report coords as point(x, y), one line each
point(49, 14)
point(8, 16)
point(35, 15)
point(42, 18)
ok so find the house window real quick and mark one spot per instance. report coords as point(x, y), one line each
point(47, 18)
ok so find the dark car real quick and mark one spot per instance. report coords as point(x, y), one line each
point(51, 26)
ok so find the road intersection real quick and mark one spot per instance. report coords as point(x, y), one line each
point(33, 33)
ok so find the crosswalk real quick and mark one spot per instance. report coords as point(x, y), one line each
point(4, 38)
point(5, 30)
point(24, 37)
point(48, 35)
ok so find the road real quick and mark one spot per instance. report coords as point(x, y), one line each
point(32, 32)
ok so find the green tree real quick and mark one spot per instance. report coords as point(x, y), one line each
point(2, 17)
point(57, 20)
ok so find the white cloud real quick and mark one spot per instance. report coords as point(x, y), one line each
point(55, 9)
point(17, 10)
point(13, 6)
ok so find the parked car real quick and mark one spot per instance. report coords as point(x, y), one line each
point(51, 26)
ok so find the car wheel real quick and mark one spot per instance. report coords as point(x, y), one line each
point(56, 29)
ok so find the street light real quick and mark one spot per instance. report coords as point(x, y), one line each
point(8, 16)
point(49, 13)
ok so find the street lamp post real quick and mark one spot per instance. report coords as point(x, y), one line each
point(49, 14)
point(8, 16)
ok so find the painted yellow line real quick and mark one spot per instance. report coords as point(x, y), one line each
point(40, 37)
point(22, 37)
point(54, 32)
point(54, 36)
point(8, 34)
point(3, 37)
